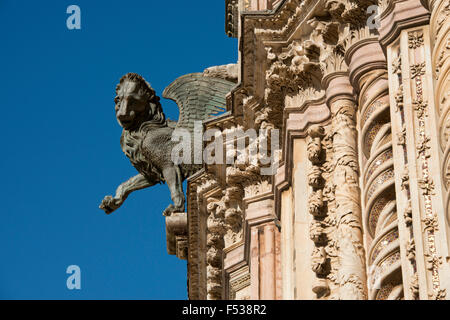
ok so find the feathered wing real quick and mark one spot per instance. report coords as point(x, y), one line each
point(198, 97)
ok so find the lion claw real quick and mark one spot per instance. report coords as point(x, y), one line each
point(171, 209)
point(109, 204)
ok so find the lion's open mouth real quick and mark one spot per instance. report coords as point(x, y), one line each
point(126, 123)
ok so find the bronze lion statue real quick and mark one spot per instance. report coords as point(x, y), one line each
point(147, 135)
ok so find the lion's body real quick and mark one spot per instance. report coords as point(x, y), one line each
point(151, 152)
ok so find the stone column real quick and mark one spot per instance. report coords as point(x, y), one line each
point(318, 209)
point(352, 271)
point(268, 252)
point(368, 75)
point(264, 249)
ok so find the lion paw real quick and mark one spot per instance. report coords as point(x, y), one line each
point(171, 209)
point(109, 204)
point(168, 211)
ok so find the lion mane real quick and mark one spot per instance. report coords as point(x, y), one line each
point(156, 115)
point(131, 140)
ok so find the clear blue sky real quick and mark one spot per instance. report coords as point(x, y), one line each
point(61, 154)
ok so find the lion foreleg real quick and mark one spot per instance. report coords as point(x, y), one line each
point(110, 204)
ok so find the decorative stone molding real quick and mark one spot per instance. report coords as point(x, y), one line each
point(348, 209)
point(176, 235)
point(440, 59)
point(239, 280)
point(204, 247)
point(232, 18)
point(424, 240)
point(400, 15)
point(215, 244)
point(367, 73)
point(261, 5)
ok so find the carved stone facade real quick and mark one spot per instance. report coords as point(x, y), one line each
point(358, 206)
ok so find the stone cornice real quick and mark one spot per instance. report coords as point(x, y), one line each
point(400, 15)
point(222, 122)
point(278, 24)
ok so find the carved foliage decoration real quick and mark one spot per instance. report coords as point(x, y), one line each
point(214, 211)
point(292, 71)
point(320, 204)
point(415, 40)
point(215, 245)
point(352, 12)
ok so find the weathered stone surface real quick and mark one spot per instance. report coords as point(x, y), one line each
point(358, 206)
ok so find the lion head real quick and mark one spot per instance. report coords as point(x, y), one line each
point(137, 103)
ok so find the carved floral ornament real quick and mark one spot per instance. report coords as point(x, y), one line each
point(294, 69)
point(417, 70)
point(401, 136)
point(414, 286)
point(415, 39)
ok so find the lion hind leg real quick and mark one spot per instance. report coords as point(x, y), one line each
point(174, 181)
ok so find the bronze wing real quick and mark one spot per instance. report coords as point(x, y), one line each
point(198, 97)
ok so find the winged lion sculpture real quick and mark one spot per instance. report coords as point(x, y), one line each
point(147, 135)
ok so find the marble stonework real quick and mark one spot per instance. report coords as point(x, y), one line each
point(359, 205)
